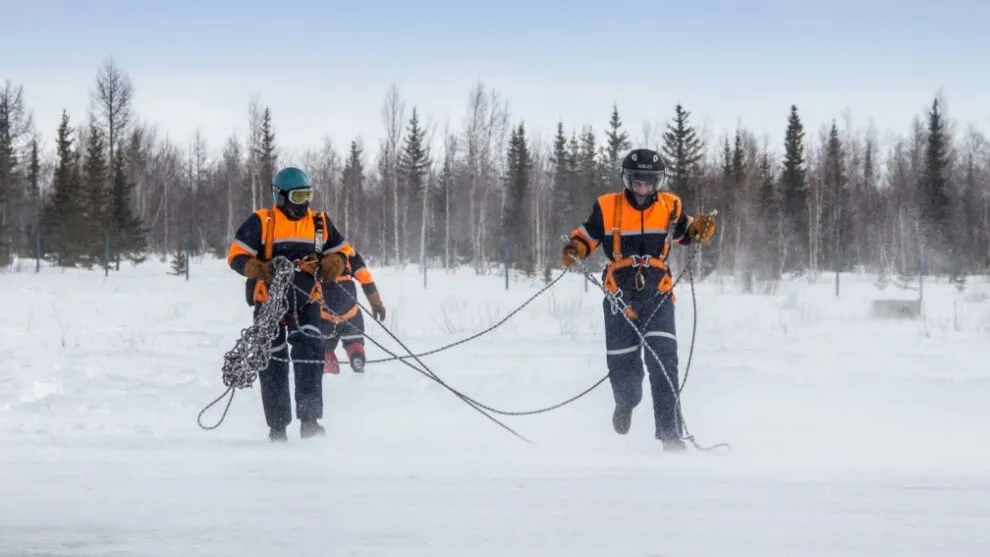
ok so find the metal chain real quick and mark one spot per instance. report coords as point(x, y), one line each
point(252, 352)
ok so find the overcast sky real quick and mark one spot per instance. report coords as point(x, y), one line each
point(324, 66)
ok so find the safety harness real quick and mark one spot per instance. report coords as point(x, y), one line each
point(638, 262)
point(268, 241)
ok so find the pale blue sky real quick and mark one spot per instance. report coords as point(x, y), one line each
point(324, 66)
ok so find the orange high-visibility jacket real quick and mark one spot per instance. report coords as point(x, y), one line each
point(269, 233)
point(635, 240)
point(357, 269)
point(339, 302)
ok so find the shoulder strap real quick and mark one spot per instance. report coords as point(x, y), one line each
point(320, 227)
point(269, 237)
point(617, 228)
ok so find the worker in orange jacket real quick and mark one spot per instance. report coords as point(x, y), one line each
point(310, 239)
point(635, 228)
point(346, 318)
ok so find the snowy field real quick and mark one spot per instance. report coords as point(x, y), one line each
point(850, 436)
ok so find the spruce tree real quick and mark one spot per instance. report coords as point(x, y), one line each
point(62, 217)
point(770, 224)
point(353, 185)
point(129, 237)
point(95, 177)
point(794, 190)
point(834, 179)
point(11, 105)
point(179, 262)
point(738, 211)
point(871, 208)
point(616, 144)
point(414, 167)
point(738, 162)
point(588, 179)
point(562, 203)
point(33, 192)
point(935, 201)
point(516, 221)
point(266, 156)
point(682, 151)
point(726, 162)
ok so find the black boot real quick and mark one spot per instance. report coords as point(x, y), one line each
point(355, 354)
point(277, 435)
point(621, 419)
point(311, 428)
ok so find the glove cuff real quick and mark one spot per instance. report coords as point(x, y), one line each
point(369, 289)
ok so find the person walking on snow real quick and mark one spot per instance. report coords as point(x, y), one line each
point(310, 239)
point(345, 316)
point(635, 228)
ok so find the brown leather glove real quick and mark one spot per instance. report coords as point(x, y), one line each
point(331, 266)
point(576, 249)
point(259, 270)
point(702, 228)
point(377, 307)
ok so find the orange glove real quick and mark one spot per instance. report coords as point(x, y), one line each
point(574, 250)
point(702, 228)
point(331, 266)
point(259, 270)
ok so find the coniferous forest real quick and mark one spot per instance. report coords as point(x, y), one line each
point(828, 198)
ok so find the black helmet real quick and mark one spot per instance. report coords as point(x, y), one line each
point(644, 165)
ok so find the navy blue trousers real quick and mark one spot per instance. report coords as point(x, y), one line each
point(303, 333)
point(626, 356)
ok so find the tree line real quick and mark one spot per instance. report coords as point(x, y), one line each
point(492, 191)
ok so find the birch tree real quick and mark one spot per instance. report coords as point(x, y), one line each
point(114, 97)
point(393, 115)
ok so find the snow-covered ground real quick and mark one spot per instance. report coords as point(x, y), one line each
point(850, 436)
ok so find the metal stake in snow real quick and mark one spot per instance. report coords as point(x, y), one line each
point(251, 354)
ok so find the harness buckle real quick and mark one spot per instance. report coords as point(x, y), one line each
point(640, 261)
